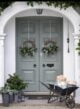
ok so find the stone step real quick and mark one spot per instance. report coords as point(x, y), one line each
point(36, 95)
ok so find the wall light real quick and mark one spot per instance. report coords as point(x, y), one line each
point(39, 11)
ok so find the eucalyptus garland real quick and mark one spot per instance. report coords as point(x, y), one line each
point(28, 48)
point(50, 48)
point(78, 48)
point(56, 3)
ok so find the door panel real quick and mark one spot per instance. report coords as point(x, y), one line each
point(27, 30)
point(50, 66)
point(39, 67)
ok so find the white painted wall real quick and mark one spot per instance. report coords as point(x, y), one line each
point(9, 49)
point(17, 7)
point(10, 62)
point(68, 58)
point(2, 61)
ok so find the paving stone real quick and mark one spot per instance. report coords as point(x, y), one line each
point(37, 104)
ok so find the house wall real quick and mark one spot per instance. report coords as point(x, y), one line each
point(18, 7)
point(68, 58)
point(10, 45)
point(9, 49)
point(71, 68)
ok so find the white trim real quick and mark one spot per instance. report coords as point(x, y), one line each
point(18, 7)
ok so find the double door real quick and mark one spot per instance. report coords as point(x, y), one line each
point(40, 66)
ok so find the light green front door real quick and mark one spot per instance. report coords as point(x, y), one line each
point(39, 67)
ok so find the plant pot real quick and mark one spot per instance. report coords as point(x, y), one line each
point(18, 96)
point(11, 97)
point(15, 96)
point(6, 98)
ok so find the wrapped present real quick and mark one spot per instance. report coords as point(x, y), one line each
point(61, 78)
point(61, 81)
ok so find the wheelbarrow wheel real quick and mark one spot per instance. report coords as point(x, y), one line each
point(70, 103)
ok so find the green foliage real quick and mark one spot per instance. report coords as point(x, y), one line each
point(14, 82)
point(4, 89)
point(28, 48)
point(27, 51)
point(78, 48)
point(56, 3)
point(50, 48)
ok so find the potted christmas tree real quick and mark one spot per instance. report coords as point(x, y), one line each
point(16, 84)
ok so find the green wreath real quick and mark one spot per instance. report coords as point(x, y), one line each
point(50, 47)
point(28, 48)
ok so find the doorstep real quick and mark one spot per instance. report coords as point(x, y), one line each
point(36, 95)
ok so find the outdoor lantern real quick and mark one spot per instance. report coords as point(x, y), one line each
point(39, 11)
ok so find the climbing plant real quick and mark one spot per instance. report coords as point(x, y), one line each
point(5, 4)
point(78, 47)
point(56, 3)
